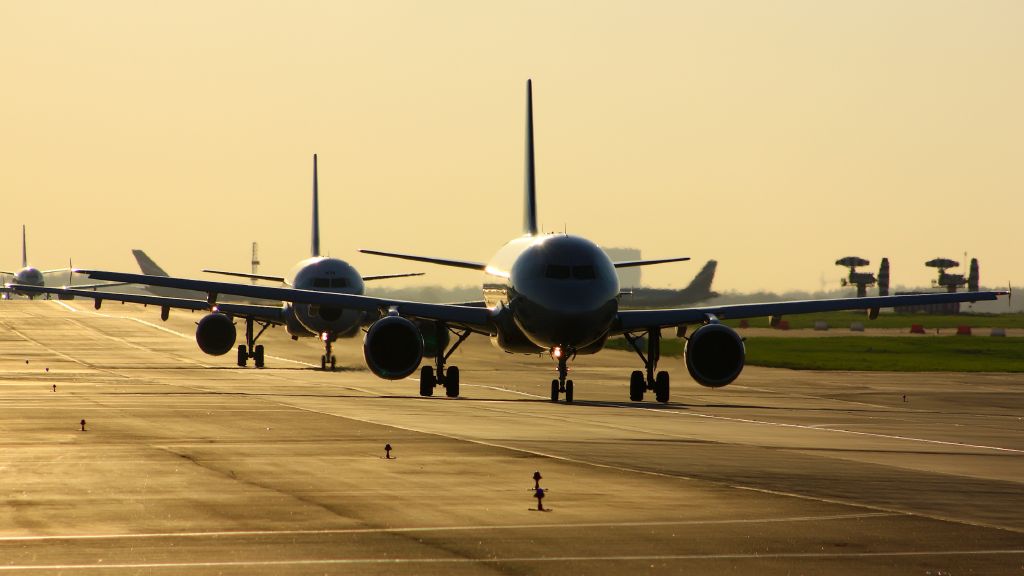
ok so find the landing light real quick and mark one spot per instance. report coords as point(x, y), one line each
point(323, 336)
point(556, 352)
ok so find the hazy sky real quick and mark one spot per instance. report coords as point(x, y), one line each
point(775, 136)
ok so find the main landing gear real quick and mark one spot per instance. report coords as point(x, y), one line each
point(328, 357)
point(250, 349)
point(640, 382)
point(449, 378)
point(561, 385)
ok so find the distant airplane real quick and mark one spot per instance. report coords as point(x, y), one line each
point(698, 290)
point(554, 293)
point(215, 333)
point(31, 276)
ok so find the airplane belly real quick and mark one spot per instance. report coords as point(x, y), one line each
point(320, 319)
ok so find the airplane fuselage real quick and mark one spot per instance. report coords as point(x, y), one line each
point(558, 291)
point(324, 275)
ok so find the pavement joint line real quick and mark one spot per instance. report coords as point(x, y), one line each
point(341, 531)
point(520, 559)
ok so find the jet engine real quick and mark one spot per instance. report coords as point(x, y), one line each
point(215, 334)
point(715, 355)
point(393, 347)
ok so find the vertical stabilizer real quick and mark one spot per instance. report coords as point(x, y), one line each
point(147, 265)
point(315, 248)
point(530, 206)
point(883, 278)
point(24, 249)
point(973, 277)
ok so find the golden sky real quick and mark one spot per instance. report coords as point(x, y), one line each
point(774, 136)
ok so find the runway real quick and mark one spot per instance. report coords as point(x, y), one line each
point(190, 465)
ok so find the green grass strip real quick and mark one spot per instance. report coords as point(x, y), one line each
point(878, 353)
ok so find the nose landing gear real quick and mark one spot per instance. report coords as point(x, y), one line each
point(640, 382)
point(561, 385)
point(328, 357)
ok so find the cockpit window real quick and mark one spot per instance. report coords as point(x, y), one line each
point(339, 283)
point(583, 272)
point(321, 283)
point(557, 272)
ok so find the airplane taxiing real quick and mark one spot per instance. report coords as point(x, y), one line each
point(32, 276)
point(554, 293)
point(215, 332)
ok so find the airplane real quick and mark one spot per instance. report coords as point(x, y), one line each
point(698, 290)
point(215, 332)
point(554, 293)
point(31, 276)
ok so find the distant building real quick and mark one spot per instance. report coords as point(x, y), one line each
point(628, 277)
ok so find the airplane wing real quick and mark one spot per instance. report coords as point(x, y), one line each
point(632, 263)
point(442, 261)
point(639, 319)
point(272, 314)
point(386, 276)
point(246, 275)
point(477, 318)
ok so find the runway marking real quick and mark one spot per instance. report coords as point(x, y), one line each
point(169, 331)
point(859, 516)
point(837, 430)
point(521, 559)
point(815, 427)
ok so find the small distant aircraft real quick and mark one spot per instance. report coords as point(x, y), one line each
point(31, 276)
point(215, 332)
point(554, 293)
point(698, 290)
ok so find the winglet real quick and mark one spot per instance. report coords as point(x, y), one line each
point(530, 207)
point(315, 248)
point(24, 249)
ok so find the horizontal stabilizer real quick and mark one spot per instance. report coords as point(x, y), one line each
point(632, 263)
point(431, 260)
point(246, 275)
point(386, 276)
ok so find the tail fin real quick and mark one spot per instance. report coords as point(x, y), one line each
point(315, 248)
point(701, 283)
point(147, 265)
point(530, 206)
point(973, 278)
point(24, 249)
point(883, 278)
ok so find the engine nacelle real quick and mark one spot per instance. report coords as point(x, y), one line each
point(215, 334)
point(715, 355)
point(393, 348)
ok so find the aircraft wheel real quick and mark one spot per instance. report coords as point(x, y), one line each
point(661, 387)
point(568, 391)
point(427, 381)
point(323, 362)
point(636, 386)
point(451, 382)
point(258, 355)
point(554, 390)
point(334, 362)
point(242, 356)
